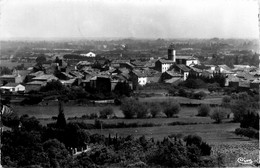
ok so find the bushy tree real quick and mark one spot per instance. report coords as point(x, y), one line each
point(204, 110)
point(57, 153)
point(155, 109)
point(131, 108)
point(218, 114)
point(226, 100)
point(106, 112)
point(141, 110)
point(128, 107)
point(239, 108)
point(171, 109)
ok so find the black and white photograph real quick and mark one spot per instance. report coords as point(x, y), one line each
point(129, 83)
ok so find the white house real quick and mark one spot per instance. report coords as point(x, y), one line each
point(89, 54)
point(13, 87)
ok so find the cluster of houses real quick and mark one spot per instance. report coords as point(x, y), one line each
point(104, 75)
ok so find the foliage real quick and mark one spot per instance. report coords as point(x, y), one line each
point(213, 87)
point(251, 119)
point(128, 107)
point(155, 109)
point(200, 95)
point(171, 108)
point(131, 107)
point(204, 110)
point(58, 155)
point(247, 132)
point(5, 71)
point(226, 100)
point(41, 59)
point(61, 120)
point(141, 110)
point(123, 88)
point(106, 112)
point(218, 114)
point(30, 123)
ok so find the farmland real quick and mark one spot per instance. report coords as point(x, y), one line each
point(220, 136)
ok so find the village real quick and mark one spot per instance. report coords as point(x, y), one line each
point(103, 74)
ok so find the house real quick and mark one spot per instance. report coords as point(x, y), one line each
point(183, 69)
point(144, 76)
point(187, 60)
point(14, 78)
point(30, 76)
point(45, 78)
point(34, 85)
point(163, 65)
point(88, 54)
point(169, 75)
point(13, 87)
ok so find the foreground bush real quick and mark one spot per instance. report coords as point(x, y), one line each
point(204, 110)
point(171, 109)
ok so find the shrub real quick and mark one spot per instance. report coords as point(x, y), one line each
point(128, 107)
point(226, 101)
point(200, 95)
point(106, 112)
point(247, 132)
point(240, 108)
point(93, 116)
point(141, 110)
point(182, 92)
point(218, 114)
point(155, 109)
point(204, 110)
point(171, 108)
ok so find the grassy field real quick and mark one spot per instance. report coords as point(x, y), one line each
point(182, 100)
point(11, 65)
point(211, 133)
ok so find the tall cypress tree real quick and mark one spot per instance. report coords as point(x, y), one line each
point(61, 121)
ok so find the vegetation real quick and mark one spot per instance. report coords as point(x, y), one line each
point(131, 108)
point(155, 109)
point(51, 146)
point(218, 114)
point(171, 109)
point(204, 110)
point(106, 112)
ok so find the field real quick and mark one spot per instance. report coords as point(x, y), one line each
point(11, 65)
point(220, 136)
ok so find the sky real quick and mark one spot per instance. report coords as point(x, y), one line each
point(129, 18)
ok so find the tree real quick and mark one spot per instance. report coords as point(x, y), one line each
point(171, 108)
point(226, 101)
point(128, 107)
point(155, 109)
point(123, 88)
point(61, 121)
point(57, 153)
point(41, 59)
point(106, 112)
point(204, 110)
point(141, 110)
point(239, 108)
point(218, 114)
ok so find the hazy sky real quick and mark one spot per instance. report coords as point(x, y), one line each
point(129, 18)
